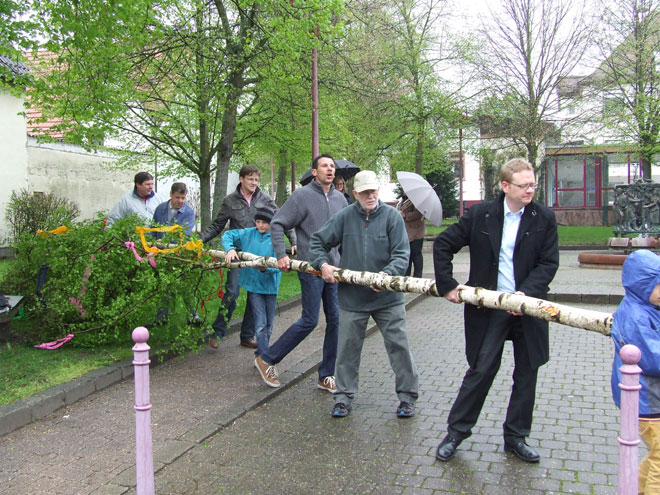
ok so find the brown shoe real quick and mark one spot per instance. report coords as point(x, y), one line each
point(327, 384)
point(214, 343)
point(251, 343)
point(267, 372)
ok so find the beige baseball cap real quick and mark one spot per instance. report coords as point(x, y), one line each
point(365, 180)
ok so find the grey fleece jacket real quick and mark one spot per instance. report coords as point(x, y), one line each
point(374, 243)
point(306, 210)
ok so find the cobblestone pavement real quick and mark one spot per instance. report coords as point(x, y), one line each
point(218, 429)
point(291, 444)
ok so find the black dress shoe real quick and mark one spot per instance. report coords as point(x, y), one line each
point(251, 343)
point(523, 451)
point(447, 448)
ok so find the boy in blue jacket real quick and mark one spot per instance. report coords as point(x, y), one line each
point(261, 284)
point(637, 322)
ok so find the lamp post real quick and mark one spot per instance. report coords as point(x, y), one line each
point(315, 99)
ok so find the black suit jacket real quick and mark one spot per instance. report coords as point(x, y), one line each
point(535, 262)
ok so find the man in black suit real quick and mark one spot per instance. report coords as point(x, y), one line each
point(513, 248)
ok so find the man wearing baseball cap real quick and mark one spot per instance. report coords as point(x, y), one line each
point(373, 238)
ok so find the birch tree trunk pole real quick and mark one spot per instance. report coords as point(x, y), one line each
point(594, 321)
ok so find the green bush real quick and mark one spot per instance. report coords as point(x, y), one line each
point(28, 212)
point(96, 289)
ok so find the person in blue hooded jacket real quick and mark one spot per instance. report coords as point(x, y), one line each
point(261, 284)
point(637, 322)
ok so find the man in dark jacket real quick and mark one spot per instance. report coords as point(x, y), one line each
point(513, 248)
point(239, 208)
point(372, 238)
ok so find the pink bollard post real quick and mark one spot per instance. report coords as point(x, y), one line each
point(629, 437)
point(144, 460)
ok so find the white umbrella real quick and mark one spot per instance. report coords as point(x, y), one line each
point(422, 195)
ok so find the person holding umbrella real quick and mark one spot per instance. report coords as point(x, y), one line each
point(416, 230)
point(340, 185)
point(418, 201)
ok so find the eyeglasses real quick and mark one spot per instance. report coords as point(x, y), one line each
point(524, 187)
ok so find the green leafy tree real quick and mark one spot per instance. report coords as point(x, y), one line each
point(386, 92)
point(16, 35)
point(169, 79)
point(628, 79)
point(443, 181)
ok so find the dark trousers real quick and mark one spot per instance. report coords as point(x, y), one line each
point(416, 258)
point(227, 307)
point(479, 378)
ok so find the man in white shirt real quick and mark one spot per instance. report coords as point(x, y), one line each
point(142, 200)
point(513, 248)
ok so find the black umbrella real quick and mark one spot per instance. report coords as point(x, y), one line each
point(343, 168)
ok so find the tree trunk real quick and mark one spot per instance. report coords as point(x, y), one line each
point(566, 315)
point(205, 199)
point(646, 168)
point(226, 148)
point(281, 184)
point(419, 149)
point(221, 180)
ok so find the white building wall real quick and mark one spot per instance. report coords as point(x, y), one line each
point(70, 172)
point(13, 145)
point(472, 188)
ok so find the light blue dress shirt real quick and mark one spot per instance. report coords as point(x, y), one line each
point(506, 281)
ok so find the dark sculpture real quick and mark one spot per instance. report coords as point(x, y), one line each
point(637, 208)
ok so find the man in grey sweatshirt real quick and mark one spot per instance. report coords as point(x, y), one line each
point(307, 210)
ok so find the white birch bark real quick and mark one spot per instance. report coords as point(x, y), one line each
point(594, 321)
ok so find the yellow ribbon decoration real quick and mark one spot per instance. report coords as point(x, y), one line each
point(59, 230)
point(190, 245)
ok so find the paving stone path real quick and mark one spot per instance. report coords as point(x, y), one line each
point(217, 429)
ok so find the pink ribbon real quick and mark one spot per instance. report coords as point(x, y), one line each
point(55, 344)
point(85, 279)
point(149, 258)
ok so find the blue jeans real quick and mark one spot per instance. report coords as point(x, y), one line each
point(228, 306)
point(313, 290)
point(263, 310)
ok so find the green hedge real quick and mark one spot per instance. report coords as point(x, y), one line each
point(119, 293)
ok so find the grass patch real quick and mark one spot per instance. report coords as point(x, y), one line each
point(27, 371)
point(569, 235)
point(575, 235)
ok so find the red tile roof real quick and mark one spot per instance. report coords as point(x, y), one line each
point(36, 125)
